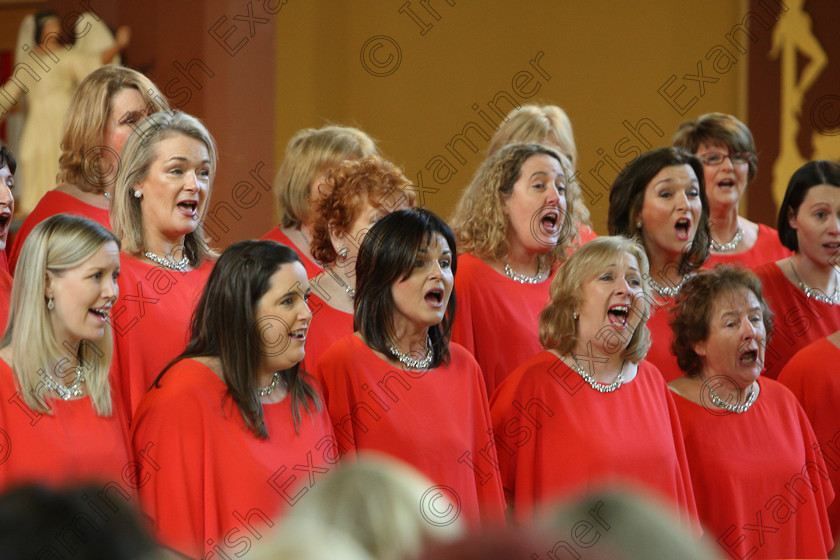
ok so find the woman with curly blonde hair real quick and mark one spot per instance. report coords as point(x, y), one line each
point(512, 228)
point(355, 195)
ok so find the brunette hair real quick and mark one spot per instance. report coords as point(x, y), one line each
point(717, 128)
point(812, 174)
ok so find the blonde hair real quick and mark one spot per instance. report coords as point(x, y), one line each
point(480, 223)
point(309, 152)
point(58, 244)
point(86, 118)
point(138, 155)
point(558, 329)
point(377, 501)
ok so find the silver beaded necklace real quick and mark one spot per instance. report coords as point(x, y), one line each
point(180, 266)
point(266, 391)
point(737, 408)
point(815, 293)
point(727, 247)
point(600, 387)
point(413, 363)
point(522, 278)
point(666, 291)
point(67, 392)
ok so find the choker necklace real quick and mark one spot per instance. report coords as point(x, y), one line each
point(413, 363)
point(73, 391)
point(265, 391)
point(666, 291)
point(180, 266)
point(523, 279)
point(727, 247)
point(600, 387)
point(813, 292)
point(737, 408)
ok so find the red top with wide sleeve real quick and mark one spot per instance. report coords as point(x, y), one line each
point(52, 203)
point(151, 322)
point(497, 318)
point(761, 488)
point(217, 485)
point(436, 421)
point(327, 326)
point(661, 337)
point(813, 375)
point(312, 268)
point(73, 445)
point(767, 249)
point(556, 437)
point(799, 320)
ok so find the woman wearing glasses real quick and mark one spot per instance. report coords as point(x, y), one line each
point(725, 146)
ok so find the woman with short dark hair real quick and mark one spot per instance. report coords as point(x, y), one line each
point(397, 385)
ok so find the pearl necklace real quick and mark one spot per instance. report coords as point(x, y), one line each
point(813, 292)
point(265, 391)
point(737, 408)
point(600, 387)
point(727, 247)
point(413, 363)
point(522, 278)
point(666, 291)
point(180, 266)
point(73, 391)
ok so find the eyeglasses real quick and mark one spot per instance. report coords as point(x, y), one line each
point(716, 158)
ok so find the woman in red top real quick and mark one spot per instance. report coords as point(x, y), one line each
point(548, 125)
point(104, 110)
point(239, 432)
point(58, 417)
point(396, 385)
point(513, 232)
point(588, 411)
point(160, 199)
point(726, 147)
point(7, 210)
point(659, 198)
point(356, 194)
point(309, 156)
point(751, 449)
point(803, 290)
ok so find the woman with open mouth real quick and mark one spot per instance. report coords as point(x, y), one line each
point(560, 419)
point(239, 431)
point(310, 154)
point(726, 147)
point(160, 200)
point(397, 385)
point(8, 165)
point(104, 110)
point(803, 290)
point(356, 194)
point(660, 200)
point(60, 422)
point(513, 232)
point(750, 446)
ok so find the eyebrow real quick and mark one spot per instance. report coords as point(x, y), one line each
point(184, 158)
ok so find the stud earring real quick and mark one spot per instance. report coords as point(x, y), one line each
point(576, 315)
point(342, 252)
point(138, 194)
point(638, 224)
point(50, 304)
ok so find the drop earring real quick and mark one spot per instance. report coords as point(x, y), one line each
point(50, 304)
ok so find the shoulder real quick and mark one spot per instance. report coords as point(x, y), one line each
point(275, 234)
point(187, 381)
point(343, 352)
point(534, 372)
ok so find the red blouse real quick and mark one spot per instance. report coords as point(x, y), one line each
point(151, 322)
point(497, 318)
point(436, 421)
point(327, 326)
point(216, 486)
point(557, 437)
point(52, 203)
point(73, 445)
point(661, 337)
point(312, 268)
point(761, 487)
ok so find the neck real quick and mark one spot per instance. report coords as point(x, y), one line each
point(411, 339)
point(604, 368)
point(664, 269)
point(523, 261)
point(724, 224)
point(730, 391)
point(165, 247)
point(819, 275)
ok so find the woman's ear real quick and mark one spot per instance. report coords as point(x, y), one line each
point(791, 218)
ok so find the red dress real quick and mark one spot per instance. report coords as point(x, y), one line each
point(761, 488)
point(817, 387)
point(5, 297)
point(497, 318)
point(52, 203)
point(312, 268)
point(767, 249)
point(72, 446)
point(151, 322)
point(557, 437)
point(327, 326)
point(217, 486)
point(436, 421)
point(661, 337)
point(799, 320)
